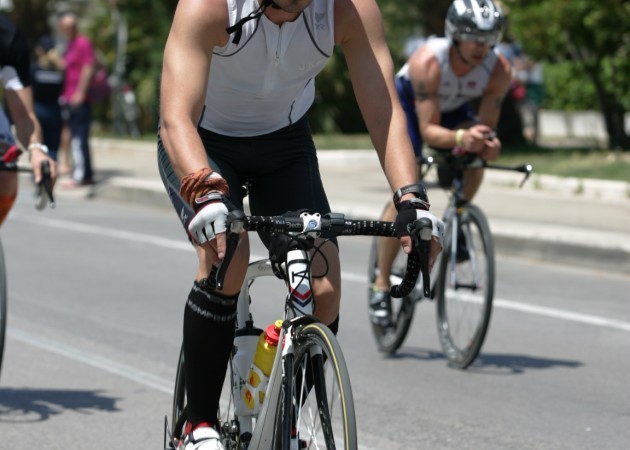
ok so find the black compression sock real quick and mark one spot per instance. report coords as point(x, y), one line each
point(334, 326)
point(208, 338)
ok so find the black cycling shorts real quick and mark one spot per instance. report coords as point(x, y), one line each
point(279, 169)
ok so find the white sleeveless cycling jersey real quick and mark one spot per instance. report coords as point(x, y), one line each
point(454, 91)
point(266, 81)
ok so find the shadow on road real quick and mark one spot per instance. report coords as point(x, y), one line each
point(37, 405)
point(517, 364)
point(489, 363)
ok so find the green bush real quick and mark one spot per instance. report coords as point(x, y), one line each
point(568, 88)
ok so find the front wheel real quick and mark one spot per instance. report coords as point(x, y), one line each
point(319, 406)
point(178, 417)
point(3, 303)
point(390, 338)
point(466, 288)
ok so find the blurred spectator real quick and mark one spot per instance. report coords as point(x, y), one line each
point(79, 59)
point(510, 126)
point(530, 76)
point(47, 79)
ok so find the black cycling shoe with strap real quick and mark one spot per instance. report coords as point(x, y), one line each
point(380, 308)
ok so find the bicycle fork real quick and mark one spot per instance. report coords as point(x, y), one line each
point(299, 303)
point(457, 224)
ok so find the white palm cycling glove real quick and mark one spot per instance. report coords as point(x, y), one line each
point(210, 218)
point(414, 209)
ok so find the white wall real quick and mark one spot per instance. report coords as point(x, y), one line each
point(575, 124)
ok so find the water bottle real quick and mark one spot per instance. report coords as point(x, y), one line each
point(245, 342)
point(258, 375)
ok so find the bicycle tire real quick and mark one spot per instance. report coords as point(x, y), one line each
point(321, 406)
point(178, 416)
point(3, 304)
point(464, 310)
point(389, 339)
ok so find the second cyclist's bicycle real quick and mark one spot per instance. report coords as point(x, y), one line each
point(463, 277)
point(308, 400)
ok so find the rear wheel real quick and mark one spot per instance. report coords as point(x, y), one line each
point(320, 407)
point(390, 338)
point(465, 290)
point(226, 414)
point(3, 303)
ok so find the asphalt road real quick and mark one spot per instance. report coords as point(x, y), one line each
point(96, 300)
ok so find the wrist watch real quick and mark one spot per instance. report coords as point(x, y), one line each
point(42, 147)
point(417, 189)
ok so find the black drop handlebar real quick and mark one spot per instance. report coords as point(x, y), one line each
point(471, 160)
point(332, 225)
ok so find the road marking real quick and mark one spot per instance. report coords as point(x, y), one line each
point(100, 362)
point(346, 276)
point(106, 232)
point(562, 314)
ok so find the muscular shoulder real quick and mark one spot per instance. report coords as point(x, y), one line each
point(202, 19)
point(424, 67)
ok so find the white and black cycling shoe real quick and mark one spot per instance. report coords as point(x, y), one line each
point(203, 437)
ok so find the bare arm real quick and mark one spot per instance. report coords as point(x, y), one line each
point(490, 106)
point(197, 27)
point(359, 30)
point(87, 72)
point(425, 75)
point(20, 104)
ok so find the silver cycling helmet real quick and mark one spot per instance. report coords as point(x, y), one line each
point(474, 21)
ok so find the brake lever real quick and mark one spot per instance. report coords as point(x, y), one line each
point(44, 188)
point(422, 243)
point(235, 225)
point(527, 169)
point(420, 232)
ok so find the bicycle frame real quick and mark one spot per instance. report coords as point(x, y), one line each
point(455, 206)
point(294, 402)
point(299, 304)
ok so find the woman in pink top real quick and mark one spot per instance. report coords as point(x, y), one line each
point(79, 68)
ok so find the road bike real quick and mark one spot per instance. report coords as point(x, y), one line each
point(308, 400)
point(43, 194)
point(463, 277)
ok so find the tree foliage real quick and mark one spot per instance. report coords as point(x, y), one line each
point(581, 41)
point(584, 45)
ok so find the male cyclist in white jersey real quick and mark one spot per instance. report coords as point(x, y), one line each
point(237, 81)
point(435, 88)
point(18, 96)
